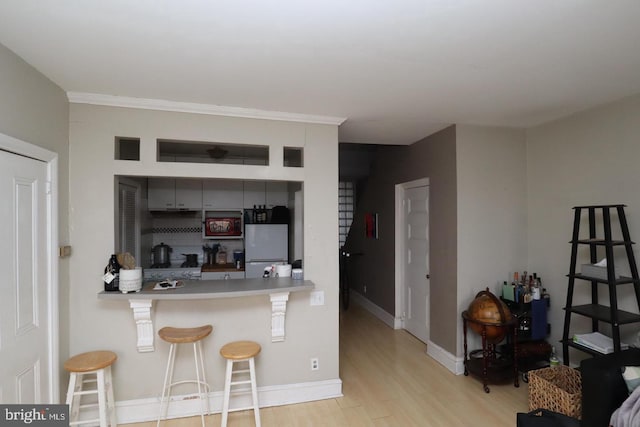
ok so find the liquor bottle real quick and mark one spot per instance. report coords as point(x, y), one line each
point(112, 275)
point(527, 295)
point(537, 289)
point(553, 359)
point(546, 296)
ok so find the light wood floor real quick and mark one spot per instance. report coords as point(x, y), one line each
point(388, 380)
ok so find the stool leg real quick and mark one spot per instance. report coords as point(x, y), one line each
point(204, 378)
point(227, 392)
point(75, 385)
point(197, 355)
point(111, 403)
point(102, 398)
point(254, 391)
point(168, 379)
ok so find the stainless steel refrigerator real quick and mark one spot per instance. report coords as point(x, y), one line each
point(264, 245)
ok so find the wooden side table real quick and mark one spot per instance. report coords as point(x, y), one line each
point(487, 363)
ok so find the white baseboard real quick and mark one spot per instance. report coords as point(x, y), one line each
point(140, 410)
point(446, 359)
point(378, 312)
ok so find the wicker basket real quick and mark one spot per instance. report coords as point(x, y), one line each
point(556, 389)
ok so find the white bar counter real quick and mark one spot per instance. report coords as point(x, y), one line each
point(278, 290)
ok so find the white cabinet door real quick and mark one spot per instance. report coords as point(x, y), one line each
point(254, 194)
point(162, 193)
point(188, 193)
point(172, 193)
point(222, 194)
point(277, 194)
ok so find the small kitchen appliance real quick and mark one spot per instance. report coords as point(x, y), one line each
point(216, 227)
point(161, 258)
point(192, 261)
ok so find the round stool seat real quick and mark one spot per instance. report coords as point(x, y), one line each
point(90, 361)
point(239, 350)
point(184, 335)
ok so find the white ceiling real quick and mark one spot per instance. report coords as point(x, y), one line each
point(396, 70)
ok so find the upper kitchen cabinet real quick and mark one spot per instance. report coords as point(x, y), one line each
point(268, 193)
point(222, 194)
point(175, 193)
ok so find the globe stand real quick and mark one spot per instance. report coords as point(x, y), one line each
point(488, 363)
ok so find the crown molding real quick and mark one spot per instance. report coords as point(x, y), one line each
point(189, 107)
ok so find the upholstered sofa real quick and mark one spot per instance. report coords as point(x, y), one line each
point(603, 388)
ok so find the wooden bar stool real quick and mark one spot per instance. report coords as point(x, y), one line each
point(98, 365)
point(236, 352)
point(177, 336)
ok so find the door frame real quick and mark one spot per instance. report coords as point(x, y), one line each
point(26, 149)
point(400, 245)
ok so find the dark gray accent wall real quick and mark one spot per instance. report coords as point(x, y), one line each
point(435, 158)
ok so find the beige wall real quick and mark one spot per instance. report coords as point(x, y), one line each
point(35, 110)
point(311, 331)
point(492, 211)
point(588, 159)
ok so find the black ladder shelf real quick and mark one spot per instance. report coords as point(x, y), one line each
point(597, 312)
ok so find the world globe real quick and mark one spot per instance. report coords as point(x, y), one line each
point(485, 311)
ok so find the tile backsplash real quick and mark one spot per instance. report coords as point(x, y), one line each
point(184, 236)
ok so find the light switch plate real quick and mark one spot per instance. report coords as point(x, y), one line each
point(317, 298)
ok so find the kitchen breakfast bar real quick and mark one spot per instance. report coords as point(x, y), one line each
point(141, 302)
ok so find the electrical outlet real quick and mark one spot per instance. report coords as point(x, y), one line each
point(315, 364)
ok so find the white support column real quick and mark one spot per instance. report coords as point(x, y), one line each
point(142, 316)
point(278, 315)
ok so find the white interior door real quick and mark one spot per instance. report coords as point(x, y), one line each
point(24, 317)
point(416, 261)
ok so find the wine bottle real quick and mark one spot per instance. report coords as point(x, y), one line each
point(112, 275)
